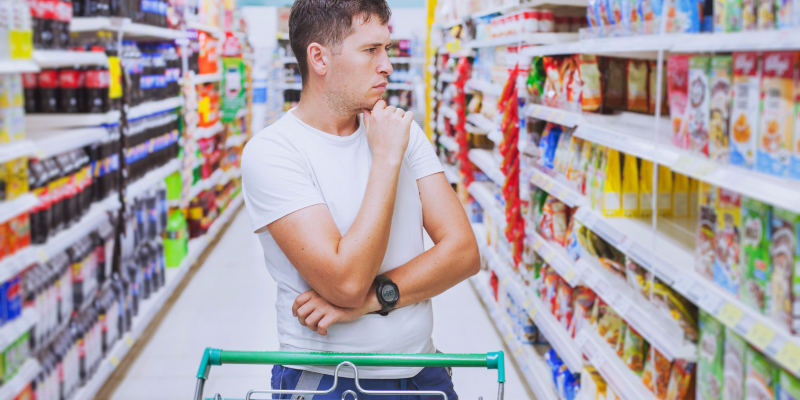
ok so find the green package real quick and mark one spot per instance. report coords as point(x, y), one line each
point(536, 78)
point(784, 258)
point(733, 366)
point(710, 358)
point(788, 387)
point(757, 268)
point(761, 376)
point(733, 15)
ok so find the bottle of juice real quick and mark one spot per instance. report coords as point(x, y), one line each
point(176, 242)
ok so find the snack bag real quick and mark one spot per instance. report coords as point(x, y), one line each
point(681, 380)
point(616, 85)
point(727, 241)
point(749, 15)
point(609, 325)
point(680, 196)
point(584, 302)
point(788, 386)
point(782, 250)
point(744, 109)
point(576, 171)
point(683, 16)
point(757, 269)
point(612, 189)
point(678, 86)
point(664, 198)
point(606, 18)
point(733, 366)
point(615, 9)
point(620, 347)
point(710, 350)
point(554, 92)
point(591, 91)
point(593, 18)
point(720, 108)
point(628, 17)
point(733, 15)
point(699, 109)
point(719, 16)
point(766, 15)
point(760, 376)
point(657, 372)
point(784, 10)
point(777, 104)
point(645, 188)
point(635, 350)
point(630, 187)
point(637, 95)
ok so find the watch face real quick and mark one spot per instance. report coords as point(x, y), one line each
point(389, 293)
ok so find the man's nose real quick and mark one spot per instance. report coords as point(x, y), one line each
point(385, 66)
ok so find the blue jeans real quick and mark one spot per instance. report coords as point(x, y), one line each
point(428, 379)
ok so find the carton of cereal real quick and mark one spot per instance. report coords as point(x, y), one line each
point(757, 269)
point(706, 227)
point(782, 252)
point(699, 109)
point(744, 109)
point(760, 375)
point(727, 241)
point(678, 87)
point(720, 108)
point(710, 346)
point(777, 103)
point(794, 169)
point(733, 366)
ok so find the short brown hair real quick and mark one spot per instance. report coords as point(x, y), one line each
point(328, 22)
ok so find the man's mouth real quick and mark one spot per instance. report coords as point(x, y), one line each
point(381, 86)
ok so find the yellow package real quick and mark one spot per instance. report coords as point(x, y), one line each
point(630, 187)
point(646, 188)
point(680, 196)
point(600, 177)
point(664, 199)
point(612, 189)
point(5, 134)
point(694, 197)
point(777, 102)
point(16, 178)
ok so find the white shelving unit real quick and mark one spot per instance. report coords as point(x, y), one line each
point(556, 257)
point(212, 30)
point(138, 187)
point(625, 382)
point(200, 79)
point(451, 173)
point(485, 86)
point(202, 133)
point(15, 66)
point(481, 122)
point(485, 160)
point(51, 143)
point(129, 29)
point(11, 331)
point(291, 86)
point(66, 58)
point(22, 204)
point(235, 140)
point(447, 77)
point(449, 113)
point(154, 107)
point(26, 373)
point(527, 38)
point(449, 143)
point(14, 150)
point(484, 196)
point(50, 122)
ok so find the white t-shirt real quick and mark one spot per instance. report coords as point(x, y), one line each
point(289, 166)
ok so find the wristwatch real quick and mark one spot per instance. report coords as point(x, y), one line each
point(388, 294)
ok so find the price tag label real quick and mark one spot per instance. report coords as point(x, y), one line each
point(532, 313)
point(760, 335)
point(789, 355)
point(506, 280)
point(730, 314)
point(559, 117)
point(549, 256)
point(704, 169)
point(527, 304)
point(548, 186)
point(508, 337)
point(128, 340)
point(562, 194)
point(518, 351)
point(569, 275)
point(42, 256)
point(114, 361)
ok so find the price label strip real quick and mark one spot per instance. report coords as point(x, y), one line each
point(730, 314)
point(760, 335)
point(789, 355)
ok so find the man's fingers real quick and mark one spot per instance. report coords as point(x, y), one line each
point(391, 109)
point(409, 116)
point(305, 310)
point(380, 105)
point(303, 298)
point(400, 111)
point(367, 115)
point(313, 319)
point(327, 321)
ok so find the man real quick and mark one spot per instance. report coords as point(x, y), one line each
point(338, 191)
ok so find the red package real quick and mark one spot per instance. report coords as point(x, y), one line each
point(678, 97)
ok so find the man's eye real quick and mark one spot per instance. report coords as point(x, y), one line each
point(372, 50)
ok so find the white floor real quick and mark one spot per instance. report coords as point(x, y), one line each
point(229, 304)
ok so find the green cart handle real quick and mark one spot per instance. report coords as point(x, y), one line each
point(494, 360)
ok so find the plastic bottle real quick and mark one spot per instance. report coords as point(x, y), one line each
point(48, 91)
point(176, 242)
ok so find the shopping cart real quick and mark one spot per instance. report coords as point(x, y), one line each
point(350, 360)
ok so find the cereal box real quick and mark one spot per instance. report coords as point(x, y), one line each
point(788, 386)
point(794, 169)
point(784, 10)
point(720, 24)
point(744, 109)
point(678, 86)
point(720, 107)
point(777, 104)
point(749, 15)
point(710, 349)
point(760, 376)
point(727, 241)
point(699, 109)
point(733, 366)
point(706, 227)
point(766, 15)
point(782, 250)
point(733, 15)
point(757, 269)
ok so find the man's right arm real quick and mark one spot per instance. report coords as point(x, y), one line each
point(339, 268)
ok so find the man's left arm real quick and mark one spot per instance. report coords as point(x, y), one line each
point(453, 258)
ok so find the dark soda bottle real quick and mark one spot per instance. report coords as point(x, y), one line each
point(38, 179)
point(48, 91)
point(30, 84)
point(97, 81)
point(69, 83)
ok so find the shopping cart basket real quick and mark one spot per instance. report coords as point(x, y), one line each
point(350, 360)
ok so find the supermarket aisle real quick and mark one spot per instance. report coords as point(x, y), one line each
point(229, 304)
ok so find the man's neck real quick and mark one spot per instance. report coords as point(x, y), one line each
point(315, 111)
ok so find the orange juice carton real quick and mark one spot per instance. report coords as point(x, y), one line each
point(699, 110)
point(777, 104)
point(728, 241)
point(744, 109)
point(720, 108)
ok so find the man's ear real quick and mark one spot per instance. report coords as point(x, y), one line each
point(318, 58)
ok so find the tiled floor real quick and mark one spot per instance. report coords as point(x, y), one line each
point(229, 304)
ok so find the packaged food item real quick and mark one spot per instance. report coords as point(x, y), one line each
point(720, 25)
point(710, 351)
point(645, 188)
point(788, 386)
point(584, 299)
point(757, 269)
point(784, 13)
point(680, 196)
point(749, 15)
point(765, 15)
point(683, 16)
point(777, 104)
point(794, 168)
point(616, 85)
point(733, 366)
point(733, 15)
point(635, 350)
point(620, 346)
point(699, 109)
point(563, 310)
point(653, 88)
point(760, 375)
point(612, 189)
point(721, 67)
point(630, 187)
point(676, 307)
point(694, 196)
point(636, 276)
point(782, 251)
point(681, 381)
point(727, 241)
point(591, 90)
point(577, 166)
point(664, 198)
point(609, 324)
point(744, 109)
point(548, 144)
point(637, 96)
point(615, 15)
point(656, 369)
point(593, 18)
point(649, 15)
point(600, 177)
point(536, 79)
point(678, 86)
point(554, 90)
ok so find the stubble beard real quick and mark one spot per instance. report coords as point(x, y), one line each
point(344, 102)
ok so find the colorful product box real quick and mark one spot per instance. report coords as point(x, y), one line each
point(777, 104)
point(783, 255)
point(711, 347)
point(727, 241)
point(744, 109)
point(699, 109)
point(757, 268)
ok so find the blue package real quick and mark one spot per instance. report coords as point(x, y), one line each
point(685, 17)
point(548, 144)
point(3, 304)
point(649, 16)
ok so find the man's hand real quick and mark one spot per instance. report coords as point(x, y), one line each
point(317, 314)
point(387, 131)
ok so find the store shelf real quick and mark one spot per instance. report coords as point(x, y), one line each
point(561, 117)
point(484, 159)
point(449, 113)
point(783, 39)
point(290, 86)
point(235, 140)
point(558, 186)
point(449, 143)
point(529, 4)
point(288, 60)
point(481, 122)
point(65, 58)
point(485, 87)
point(149, 308)
point(445, 77)
point(151, 178)
point(474, 129)
point(24, 376)
point(22, 204)
point(451, 173)
point(483, 195)
point(16, 66)
point(407, 60)
point(400, 86)
point(97, 214)
point(555, 255)
point(15, 263)
point(203, 133)
point(51, 143)
point(11, 331)
point(212, 30)
point(642, 46)
point(199, 79)
point(154, 107)
point(534, 370)
point(625, 382)
point(49, 122)
point(217, 177)
point(527, 38)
